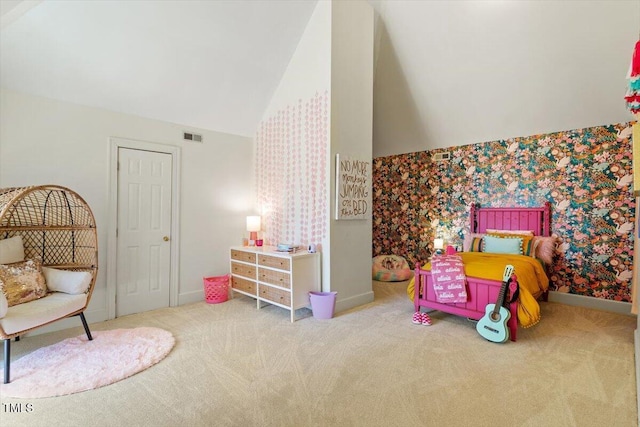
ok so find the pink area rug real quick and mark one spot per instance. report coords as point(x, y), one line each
point(77, 364)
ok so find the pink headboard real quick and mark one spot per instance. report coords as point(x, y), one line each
point(536, 219)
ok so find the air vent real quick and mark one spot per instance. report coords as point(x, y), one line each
point(192, 137)
point(441, 157)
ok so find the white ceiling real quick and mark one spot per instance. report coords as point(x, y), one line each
point(452, 73)
point(447, 73)
point(206, 64)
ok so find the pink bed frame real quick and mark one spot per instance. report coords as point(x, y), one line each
point(481, 291)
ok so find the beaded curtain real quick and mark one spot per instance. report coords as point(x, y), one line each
point(292, 172)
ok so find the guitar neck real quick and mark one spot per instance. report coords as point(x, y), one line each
point(500, 300)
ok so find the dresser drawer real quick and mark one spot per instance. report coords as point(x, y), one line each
point(275, 295)
point(243, 256)
point(274, 261)
point(243, 270)
point(274, 277)
point(243, 285)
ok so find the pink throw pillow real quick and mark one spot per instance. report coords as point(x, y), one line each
point(544, 248)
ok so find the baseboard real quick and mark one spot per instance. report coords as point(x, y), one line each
point(100, 315)
point(354, 301)
point(591, 302)
point(191, 297)
point(341, 304)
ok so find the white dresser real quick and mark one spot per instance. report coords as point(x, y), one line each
point(271, 277)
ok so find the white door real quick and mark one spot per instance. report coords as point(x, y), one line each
point(143, 226)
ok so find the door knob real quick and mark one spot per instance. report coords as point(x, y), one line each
point(165, 238)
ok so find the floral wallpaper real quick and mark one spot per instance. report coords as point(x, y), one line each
point(291, 170)
point(585, 174)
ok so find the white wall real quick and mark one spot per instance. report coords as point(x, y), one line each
point(308, 76)
point(351, 136)
point(43, 141)
point(334, 55)
point(309, 70)
point(461, 72)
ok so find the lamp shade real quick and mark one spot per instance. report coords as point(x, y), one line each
point(438, 243)
point(253, 223)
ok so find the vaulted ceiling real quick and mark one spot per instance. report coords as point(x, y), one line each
point(446, 72)
point(207, 64)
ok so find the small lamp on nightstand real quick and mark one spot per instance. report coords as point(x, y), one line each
point(253, 226)
point(438, 245)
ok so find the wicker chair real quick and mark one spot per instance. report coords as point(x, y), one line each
point(57, 226)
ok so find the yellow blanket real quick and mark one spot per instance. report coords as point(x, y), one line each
point(532, 279)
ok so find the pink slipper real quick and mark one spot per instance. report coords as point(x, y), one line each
point(425, 319)
point(417, 318)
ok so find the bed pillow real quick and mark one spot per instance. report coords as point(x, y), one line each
point(518, 232)
point(502, 245)
point(527, 241)
point(22, 281)
point(69, 282)
point(476, 245)
point(11, 250)
point(468, 240)
point(543, 248)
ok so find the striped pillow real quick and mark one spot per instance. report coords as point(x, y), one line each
point(468, 238)
point(476, 244)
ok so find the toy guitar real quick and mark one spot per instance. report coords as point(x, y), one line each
point(493, 325)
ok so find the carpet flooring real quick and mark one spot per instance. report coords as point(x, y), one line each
point(78, 364)
point(233, 365)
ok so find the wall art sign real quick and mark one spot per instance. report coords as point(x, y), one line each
point(353, 188)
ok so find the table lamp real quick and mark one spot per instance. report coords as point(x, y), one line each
point(438, 245)
point(253, 226)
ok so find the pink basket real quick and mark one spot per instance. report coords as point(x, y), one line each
point(216, 289)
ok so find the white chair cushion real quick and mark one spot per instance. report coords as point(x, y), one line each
point(4, 304)
point(11, 250)
point(69, 282)
point(54, 306)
